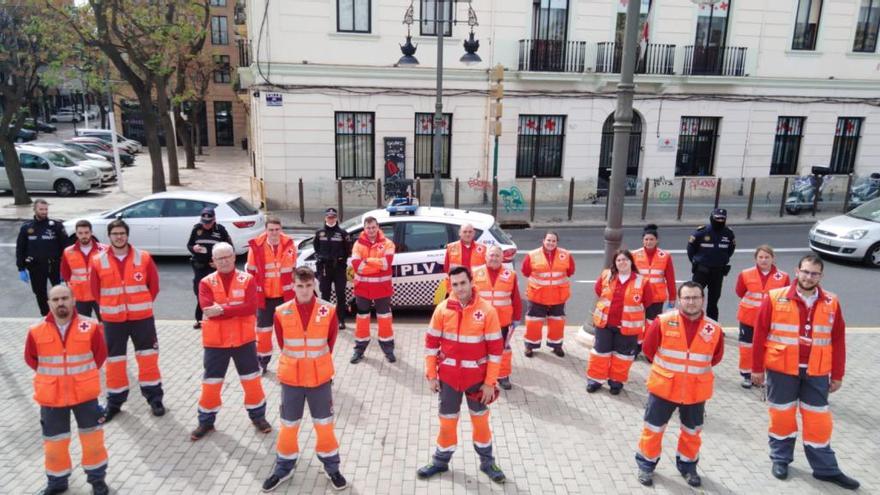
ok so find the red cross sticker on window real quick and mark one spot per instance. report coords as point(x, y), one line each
point(479, 315)
point(83, 327)
point(138, 276)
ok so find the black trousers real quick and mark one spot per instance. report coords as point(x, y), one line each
point(86, 308)
point(40, 271)
point(332, 276)
point(710, 279)
point(200, 271)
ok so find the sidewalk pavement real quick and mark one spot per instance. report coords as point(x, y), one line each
point(550, 436)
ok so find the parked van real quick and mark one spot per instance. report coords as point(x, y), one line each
point(48, 170)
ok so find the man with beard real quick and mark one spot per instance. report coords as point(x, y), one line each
point(75, 268)
point(38, 252)
point(709, 249)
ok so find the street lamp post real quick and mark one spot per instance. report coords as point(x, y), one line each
point(470, 57)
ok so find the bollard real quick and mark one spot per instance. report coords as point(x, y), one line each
point(645, 198)
point(782, 201)
point(571, 199)
point(816, 192)
point(717, 192)
point(302, 206)
point(456, 193)
point(339, 197)
point(849, 182)
point(532, 206)
point(419, 189)
point(680, 199)
point(378, 193)
point(751, 200)
point(495, 197)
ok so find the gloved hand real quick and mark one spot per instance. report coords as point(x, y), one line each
point(670, 305)
point(24, 277)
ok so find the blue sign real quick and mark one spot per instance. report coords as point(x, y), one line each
point(273, 100)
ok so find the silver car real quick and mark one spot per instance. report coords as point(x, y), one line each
point(49, 170)
point(855, 235)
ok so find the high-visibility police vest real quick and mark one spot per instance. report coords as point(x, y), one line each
point(500, 295)
point(632, 320)
point(755, 290)
point(783, 339)
point(679, 373)
point(66, 371)
point(548, 284)
point(229, 332)
point(124, 299)
point(306, 360)
point(79, 271)
point(455, 258)
point(654, 271)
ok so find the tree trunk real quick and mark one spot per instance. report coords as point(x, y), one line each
point(168, 128)
point(197, 122)
point(13, 171)
point(151, 131)
point(183, 132)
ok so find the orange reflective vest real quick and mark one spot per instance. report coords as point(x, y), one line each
point(229, 332)
point(372, 272)
point(500, 295)
point(783, 339)
point(549, 285)
point(66, 370)
point(273, 273)
point(306, 360)
point(632, 320)
point(124, 299)
point(679, 373)
point(654, 271)
point(79, 270)
point(755, 290)
point(454, 255)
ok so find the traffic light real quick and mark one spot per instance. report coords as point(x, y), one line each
point(496, 91)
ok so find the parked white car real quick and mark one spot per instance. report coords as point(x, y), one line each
point(161, 223)
point(130, 145)
point(855, 235)
point(97, 162)
point(65, 116)
point(420, 241)
point(48, 170)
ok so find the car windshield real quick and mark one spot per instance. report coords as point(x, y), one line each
point(869, 211)
point(500, 235)
point(241, 207)
point(59, 159)
point(75, 153)
point(352, 223)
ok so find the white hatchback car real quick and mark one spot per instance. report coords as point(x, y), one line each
point(855, 235)
point(161, 223)
point(420, 241)
point(49, 170)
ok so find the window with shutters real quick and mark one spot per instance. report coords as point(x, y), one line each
point(424, 145)
point(355, 145)
point(540, 144)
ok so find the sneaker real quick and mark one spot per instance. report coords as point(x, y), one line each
point(157, 408)
point(746, 383)
point(357, 357)
point(646, 478)
point(274, 480)
point(111, 413)
point(840, 480)
point(262, 425)
point(337, 480)
point(197, 325)
point(529, 352)
point(693, 479)
point(52, 490)
point(505, 383)
point(200, 431)
point(494, 473)
point(592, 386)
point(430, 470)
point(558, 351)
point(391, 357)
point(100, 488)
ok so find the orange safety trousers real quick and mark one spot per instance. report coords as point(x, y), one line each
point(384, 320)
point(55, 423)
point(216, 363)
point(657, 415)
point(143, 335)
point(535, 318)
point(320, 401)
point(447, 437)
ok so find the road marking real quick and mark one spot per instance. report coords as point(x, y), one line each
point(739, 251)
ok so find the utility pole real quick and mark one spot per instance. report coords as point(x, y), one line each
point(113, 140)
point(437, 193)
point(496, 111)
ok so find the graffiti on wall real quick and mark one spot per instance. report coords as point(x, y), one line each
point(478, 184)
point(704, 184)
point(512, 199)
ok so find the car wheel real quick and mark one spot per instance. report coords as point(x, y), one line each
point(53, 120)
point(64, 187)
point(873, 256)
point(793, 210)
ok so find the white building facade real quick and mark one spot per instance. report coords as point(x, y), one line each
point(747, 88)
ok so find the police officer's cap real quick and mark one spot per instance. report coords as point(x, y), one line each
point(719, 214)
point(208, 213)
point(331, 212)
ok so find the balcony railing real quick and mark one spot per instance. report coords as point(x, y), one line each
point(715, 61)
point(659, 59)
point(552, 55)
point(244, 52)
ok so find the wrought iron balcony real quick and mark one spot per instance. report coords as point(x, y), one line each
point(659, 59)
point(552, 55)
point(715, 61)
point(244, 52)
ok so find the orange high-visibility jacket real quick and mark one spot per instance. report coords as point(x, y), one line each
point(306, 360)
point(755, 291)
point(124, 299)
point(454, 255)
point(679, 373)
point(373, 267)
point(632, 320)
point(66, 370)
point(549, 285)
point(273, 273)
point(783, 344)
point(229, 332)
point(78, 263)
point(500, 295)
point(654, 271)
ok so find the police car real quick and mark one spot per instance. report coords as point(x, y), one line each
point(420, 237)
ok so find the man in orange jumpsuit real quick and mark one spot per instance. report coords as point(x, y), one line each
point(371, 258)
point(548, 269)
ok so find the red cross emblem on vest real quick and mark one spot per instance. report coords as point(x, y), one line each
point(778, 276)
point(322, 312)
point(138, 276)
point(242, 277)
point(706, 333)
point(505, 274)
point(83, 327)
point(562, 256)
point(661, 253)
point(479, 315)
point(637, 298)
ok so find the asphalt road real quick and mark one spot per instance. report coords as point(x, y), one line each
point(849, 280)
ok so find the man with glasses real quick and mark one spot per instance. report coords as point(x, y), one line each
point(202, 239)
point(683, 347)
point(800, 341)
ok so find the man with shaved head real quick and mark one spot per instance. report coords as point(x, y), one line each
point(465, 251)
point(66, 350)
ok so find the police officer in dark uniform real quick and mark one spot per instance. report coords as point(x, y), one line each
point(38, 251)
point(709, 249)
point(204, 235)
point(332, 249)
